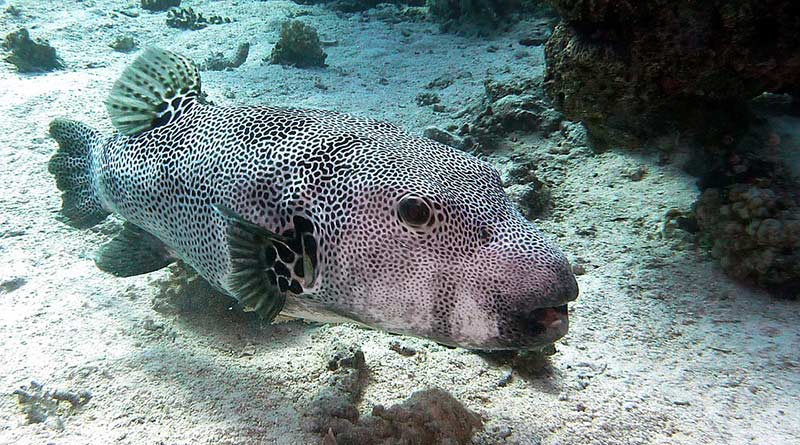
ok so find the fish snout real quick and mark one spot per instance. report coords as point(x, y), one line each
point(559, 288)
point(544, 317)
point(569, 289)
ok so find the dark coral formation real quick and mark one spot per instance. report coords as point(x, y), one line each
point(634, 70)
point(160, 5)
point(491, 10)
point(425, 99)
point(749, 210)
point(486, 12)
point(299, 46)
point(29, 55)
point(187, 18)
point(358, 5)
point(631, 69)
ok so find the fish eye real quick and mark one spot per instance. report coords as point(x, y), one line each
point(414, 211)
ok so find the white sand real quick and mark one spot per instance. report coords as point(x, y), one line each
point(663, 347)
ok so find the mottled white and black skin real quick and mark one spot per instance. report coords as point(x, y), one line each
point(474, 276)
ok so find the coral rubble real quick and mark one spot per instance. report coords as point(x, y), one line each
point(430, 416)
point(30, 55)
point(512, 106)
point(40, 405)
point(219, 62)
point(187, 18)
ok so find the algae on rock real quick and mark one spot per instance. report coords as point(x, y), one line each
point(299, 46)
point(511, 106)
point(123, 43)
point(47, 406)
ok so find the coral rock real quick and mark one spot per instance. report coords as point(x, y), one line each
point(629, 69)
point(30, 55)
point(298, 45)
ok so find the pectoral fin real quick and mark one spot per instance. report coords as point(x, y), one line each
point(253, 255)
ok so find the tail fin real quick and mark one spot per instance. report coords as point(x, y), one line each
point(72, 167)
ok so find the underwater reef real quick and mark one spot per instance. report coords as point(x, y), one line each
point(629, 69)
point(636, 72)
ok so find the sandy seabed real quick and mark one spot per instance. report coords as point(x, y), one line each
point(663, 347)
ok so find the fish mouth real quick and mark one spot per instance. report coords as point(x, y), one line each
point(554, 318)
point(538, 328)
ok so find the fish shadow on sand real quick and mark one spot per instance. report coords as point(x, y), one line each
point(231, 389)
point(205, 310)
point(219, 361)
point(533, 367)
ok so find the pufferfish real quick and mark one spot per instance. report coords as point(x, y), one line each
point(311, 214)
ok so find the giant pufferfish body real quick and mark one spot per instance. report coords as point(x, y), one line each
point(312, 214)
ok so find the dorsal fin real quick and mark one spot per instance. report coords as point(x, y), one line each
point(152, 91)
